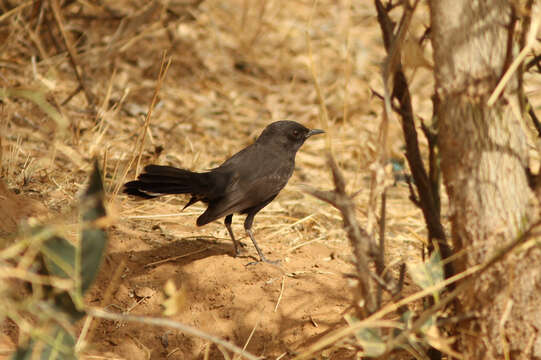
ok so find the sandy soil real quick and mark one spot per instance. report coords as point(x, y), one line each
point(283, 306)
point(275, 311)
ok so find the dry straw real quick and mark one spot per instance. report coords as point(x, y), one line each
point(232, 68)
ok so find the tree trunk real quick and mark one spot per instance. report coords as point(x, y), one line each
point(483, 158)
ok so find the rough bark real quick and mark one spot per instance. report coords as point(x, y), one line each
point(483, 158)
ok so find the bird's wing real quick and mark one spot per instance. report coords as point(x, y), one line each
point(250, 186)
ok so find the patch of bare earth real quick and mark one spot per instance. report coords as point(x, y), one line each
point(284, 306)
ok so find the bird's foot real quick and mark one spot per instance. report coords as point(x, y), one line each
point(239, 248)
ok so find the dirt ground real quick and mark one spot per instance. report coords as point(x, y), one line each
point(236, 66)
point(224, 296)
point(275, 311)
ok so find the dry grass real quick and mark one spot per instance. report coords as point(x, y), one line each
point(235, 67)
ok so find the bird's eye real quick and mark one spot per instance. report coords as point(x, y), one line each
point(296, 133)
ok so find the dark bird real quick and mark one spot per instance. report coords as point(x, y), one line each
point(244, 184)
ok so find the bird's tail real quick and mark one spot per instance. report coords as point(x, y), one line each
point(158, 180)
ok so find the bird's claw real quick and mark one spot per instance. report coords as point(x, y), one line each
point(239, 246)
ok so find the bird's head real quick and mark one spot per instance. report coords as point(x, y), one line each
point(289, 134)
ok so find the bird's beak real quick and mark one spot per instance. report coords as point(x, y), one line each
point(314, 132)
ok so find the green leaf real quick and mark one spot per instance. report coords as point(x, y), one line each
point(368, 339)
point(64, 302)
point(93, 246)
point(92, 207)
point(23, 353)
point(59, 259)
point(61, 347)
point(428, 273)
point(372, 344)
point(405, 318)
point(94, 239)
point(59, 256)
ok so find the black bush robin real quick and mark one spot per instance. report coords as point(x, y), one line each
point(244, 184)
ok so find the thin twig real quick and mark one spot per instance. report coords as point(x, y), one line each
point(380, 258)
point(514, 66)
point(251, 333)
point(71, 50)
point(281, 293)
point(427, 199)
point(363, 247)
point(137, 153)
point(161, 77)
point(533, 116)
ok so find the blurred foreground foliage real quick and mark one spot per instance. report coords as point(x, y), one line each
point(56, 275)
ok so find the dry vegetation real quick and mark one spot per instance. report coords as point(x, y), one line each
point(235, 67)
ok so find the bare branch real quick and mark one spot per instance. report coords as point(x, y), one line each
point(359, 239)
point(427, 198)
point(71, 51)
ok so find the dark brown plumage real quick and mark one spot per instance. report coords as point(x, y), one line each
point(244, 184)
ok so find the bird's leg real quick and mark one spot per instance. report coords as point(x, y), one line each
point(236, 244)
point(248, 227)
